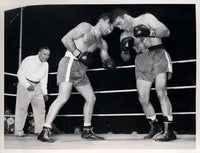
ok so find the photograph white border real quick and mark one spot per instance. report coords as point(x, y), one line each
point(12, 4)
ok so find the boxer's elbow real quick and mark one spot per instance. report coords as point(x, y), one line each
point(167, 33)
point(64, 40)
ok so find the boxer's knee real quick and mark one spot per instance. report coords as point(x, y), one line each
point(91, 100)
point(143, 99)
point(161, 93)
point(61, 99)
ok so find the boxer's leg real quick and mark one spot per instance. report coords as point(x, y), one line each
point(88, 93)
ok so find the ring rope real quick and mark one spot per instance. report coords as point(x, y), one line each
point(130, 90)
point(114, 91)
point(132, 66)
point(117, 91)
point(119, 67)
point(12, 74)
point(125, 114)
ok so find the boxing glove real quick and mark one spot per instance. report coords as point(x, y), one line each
point(109, 65)
point(84, 57)
point(143, 31)
point(126, 44)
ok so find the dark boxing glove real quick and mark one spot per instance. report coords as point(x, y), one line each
point(126, 44)
point(143, 31)
point(85, 57)
point(109, 64)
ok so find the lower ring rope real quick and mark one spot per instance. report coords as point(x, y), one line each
point(126, 114)
point(130, 90)
point(115, 91)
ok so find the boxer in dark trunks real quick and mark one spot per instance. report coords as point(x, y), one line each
point(152, 64)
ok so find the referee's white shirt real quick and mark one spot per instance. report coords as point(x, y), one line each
point(33, 69)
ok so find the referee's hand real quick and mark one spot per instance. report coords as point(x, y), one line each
point(30, 88)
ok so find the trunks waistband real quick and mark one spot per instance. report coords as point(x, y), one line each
point(160, 46)
point(69, 54)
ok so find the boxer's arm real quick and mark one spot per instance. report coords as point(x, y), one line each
point(108, 63)
point(74, 34)
point(104, 51)
point(156, 26)
point(125, 55)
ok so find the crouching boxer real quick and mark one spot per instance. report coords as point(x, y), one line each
point(80, 43)
point(152, 64)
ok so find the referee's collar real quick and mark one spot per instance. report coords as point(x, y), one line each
point(38, 59)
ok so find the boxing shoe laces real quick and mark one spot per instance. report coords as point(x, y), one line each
point(45, 135)
point(168, 135)
point(89, 134)
point(154, 131)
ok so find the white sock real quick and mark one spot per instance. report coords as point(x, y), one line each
point(48, 125)
point(87, 124)
point(170, 118)
point(152, 117)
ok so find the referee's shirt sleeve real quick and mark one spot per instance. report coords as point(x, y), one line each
point(22, 72)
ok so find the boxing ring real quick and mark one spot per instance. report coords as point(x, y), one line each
point(133, 140)
point(124, 138)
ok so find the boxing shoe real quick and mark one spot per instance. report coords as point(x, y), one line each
point(45, 135)
point(89, 134)
point(154, 131)
point(168, 134)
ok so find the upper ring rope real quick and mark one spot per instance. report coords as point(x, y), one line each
point(132, 66)
point(119, 67)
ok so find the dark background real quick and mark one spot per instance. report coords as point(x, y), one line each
point(47, 24)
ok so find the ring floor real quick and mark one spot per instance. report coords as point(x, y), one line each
point(112, 141)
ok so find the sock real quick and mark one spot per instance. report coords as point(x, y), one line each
point(167, 118)
point(170, 118)
point(86, 124)
point(152, 118)
point(47, 125)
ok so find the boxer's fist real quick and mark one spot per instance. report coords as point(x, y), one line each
point(126, 45)
point(77, 53)
point(84, 57)
point(109, 64)
point(143, 31)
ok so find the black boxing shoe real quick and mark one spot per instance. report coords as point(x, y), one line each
point(45, 135)
point(169, 134)
point(89, 134)
point(154, 131)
